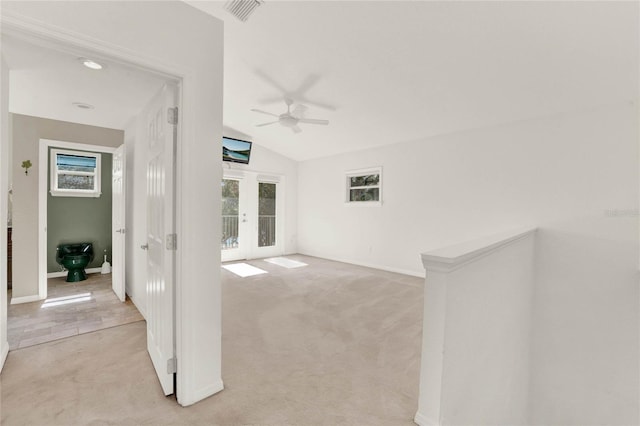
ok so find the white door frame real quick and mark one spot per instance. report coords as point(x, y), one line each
point(43, 173)
point(17, 25)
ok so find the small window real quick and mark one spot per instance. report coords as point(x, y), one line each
point(364, 186)
point(75, 174)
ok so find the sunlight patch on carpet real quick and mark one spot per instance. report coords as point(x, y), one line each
point(285, 263)
point(244, 269)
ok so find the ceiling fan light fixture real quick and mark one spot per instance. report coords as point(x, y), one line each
point(91, 64)
point(288, 121)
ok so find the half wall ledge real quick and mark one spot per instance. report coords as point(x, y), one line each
point(450, 258)
point(477, 331)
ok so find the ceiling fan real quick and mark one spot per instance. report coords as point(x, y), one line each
point(291, 119)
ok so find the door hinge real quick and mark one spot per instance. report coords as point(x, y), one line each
point(172, 115)
point(172, 365)
point(172, 241)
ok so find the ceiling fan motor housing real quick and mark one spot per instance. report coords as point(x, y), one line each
point(288, 121)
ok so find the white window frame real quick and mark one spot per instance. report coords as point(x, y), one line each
point(363, 172)
point(61, 192)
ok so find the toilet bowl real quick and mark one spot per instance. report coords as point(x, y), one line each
point(75, 257)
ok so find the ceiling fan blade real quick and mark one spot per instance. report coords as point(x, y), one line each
point(271, 100)
point(266, 124)
point(304, 100)
point(313, 121)
point(267, 78)
point(264, 112)
point(307, 84)
point(296, 129)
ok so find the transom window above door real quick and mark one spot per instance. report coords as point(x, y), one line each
point(364, 186)
point(75, 173)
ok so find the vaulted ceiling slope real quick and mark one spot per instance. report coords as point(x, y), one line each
point(394, 71)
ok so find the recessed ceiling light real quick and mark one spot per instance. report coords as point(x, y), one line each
point(82, 105)
point(91, 64)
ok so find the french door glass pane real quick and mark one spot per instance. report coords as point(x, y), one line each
point(266, 214)
point(230, 213)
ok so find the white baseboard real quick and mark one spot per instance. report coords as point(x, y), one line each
point(4, 353)
point(25, 299)
point(423, 420)
point(202, 394)
point(64, 273)
point(369, 265)
point(142, 312)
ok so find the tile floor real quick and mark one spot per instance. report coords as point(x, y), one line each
point(81, 307)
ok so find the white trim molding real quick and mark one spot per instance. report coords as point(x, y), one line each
point(26, 299)
point(379, 267)
point(450, 258)
point(421, 420)
point(5, 352)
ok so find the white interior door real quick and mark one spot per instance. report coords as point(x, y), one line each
point(234, 219)
point(161, 237)
point(118, 223)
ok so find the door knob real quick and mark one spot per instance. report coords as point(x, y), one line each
point(120, 231)
point(145, 247)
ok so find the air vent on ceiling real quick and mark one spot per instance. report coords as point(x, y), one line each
point(242, 9)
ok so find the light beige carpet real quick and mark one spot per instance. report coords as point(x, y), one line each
point(325, 344)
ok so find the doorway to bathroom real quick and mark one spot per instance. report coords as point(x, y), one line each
point(73, 183)
point(75, 205)
point(252, 215)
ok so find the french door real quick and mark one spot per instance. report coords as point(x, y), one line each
point(251, 218)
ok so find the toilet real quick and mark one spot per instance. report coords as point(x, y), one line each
point(75, 257)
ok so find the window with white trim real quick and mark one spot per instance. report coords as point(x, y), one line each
point(364, 186)
point(75, 173)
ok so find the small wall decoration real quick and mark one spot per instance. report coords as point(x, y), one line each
point(25, 165)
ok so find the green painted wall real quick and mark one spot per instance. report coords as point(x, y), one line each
point(80, 219)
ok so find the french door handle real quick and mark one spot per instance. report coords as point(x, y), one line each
point(145, 247)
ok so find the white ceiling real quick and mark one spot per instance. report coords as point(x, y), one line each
point(405, 70)
point(46, 81)
point(381, 72)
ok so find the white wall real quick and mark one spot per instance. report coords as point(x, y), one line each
point(4, 188)
point(185, 42)
point(266, 161)
point(562, 174)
